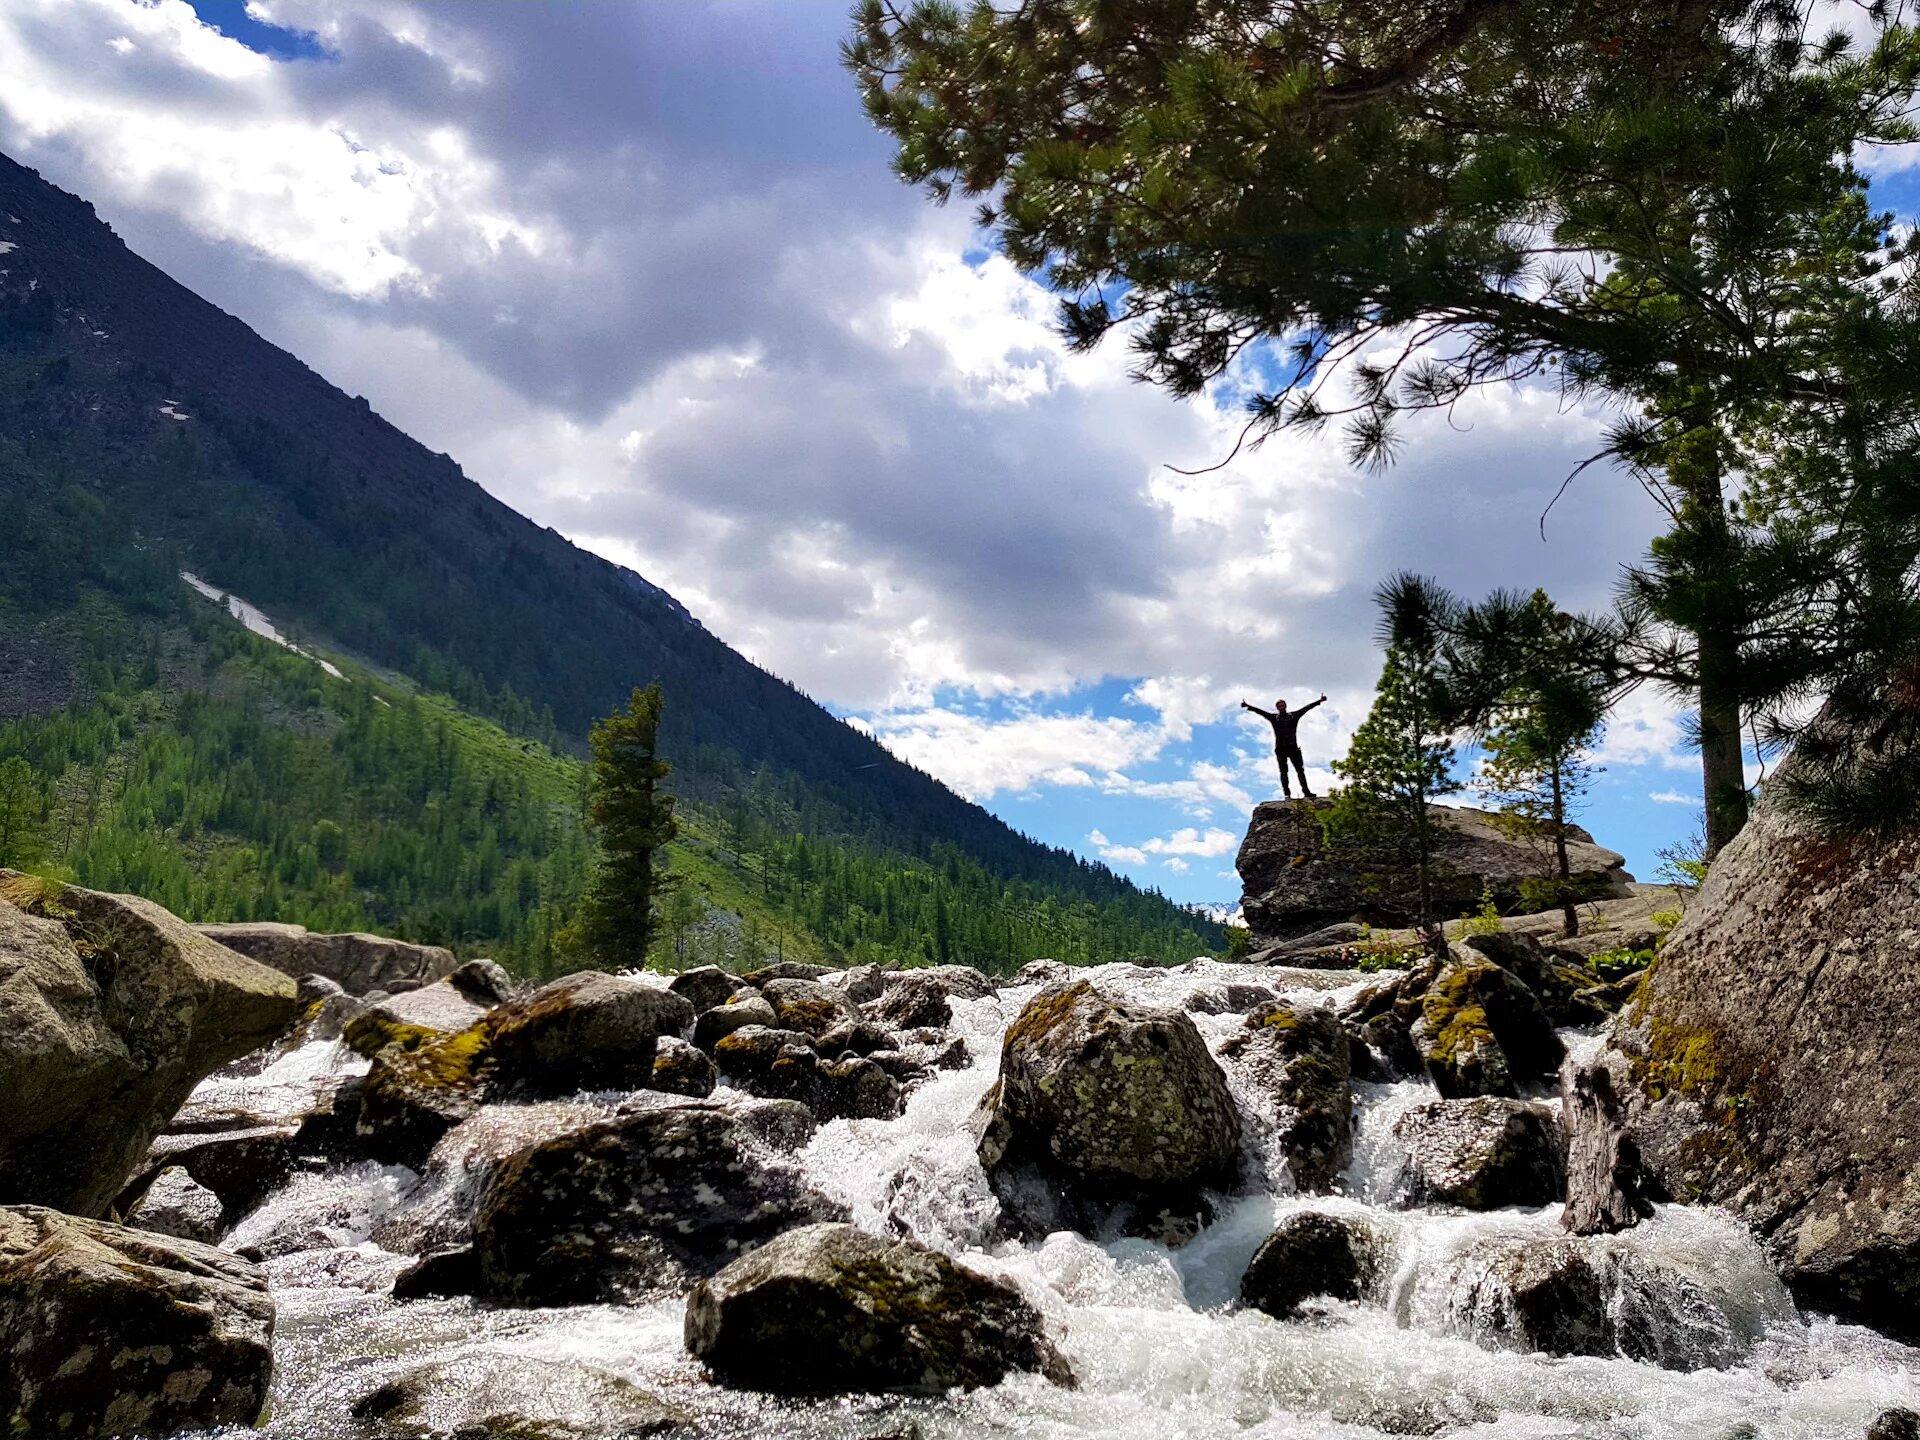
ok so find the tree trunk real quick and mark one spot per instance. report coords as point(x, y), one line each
point(1722, 766)
point(1570, 916)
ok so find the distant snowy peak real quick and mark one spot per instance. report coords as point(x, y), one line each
point(255, 619)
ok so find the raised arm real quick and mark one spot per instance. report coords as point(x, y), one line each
point(1310, 705)
point(1263, 714)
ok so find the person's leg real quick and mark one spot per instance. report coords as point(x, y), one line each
point(1300, 764)
point(1286, 788)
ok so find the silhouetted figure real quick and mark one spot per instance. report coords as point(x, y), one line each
point(1286, 741)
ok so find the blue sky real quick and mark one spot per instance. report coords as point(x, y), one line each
point(643, 271)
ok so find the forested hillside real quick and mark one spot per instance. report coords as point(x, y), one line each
point(434, 793)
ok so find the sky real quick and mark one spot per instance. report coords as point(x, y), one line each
point(643, 270)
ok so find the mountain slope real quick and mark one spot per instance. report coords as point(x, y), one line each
point(143, 431)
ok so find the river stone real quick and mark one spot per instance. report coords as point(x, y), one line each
point(960, 982)
point(496, 1395)
point(416, 1090)
point(861, 983)
point(742, 1010)
point(829, 1309)
point(241, 1167)
point(1570, 993)
point(485, 982)
point(1042, 972)
point(855, 1088)
point(1295, 1061)
point(704, 987)
point(1481, 1154)
point(411, 1016)
point(1765, 1062)
point(808, 1005)
point(1481, 1032)
point(111, 1011)
point(107, 1330)
point(1106, 1109)
point(857, 1037)
point(785, 970)
point(1898, 1423)
point(1310, 1254)
point(357, 963)
point(634, 1207)
point(680, 1069)
point(773, 1064)
point(178, 1205)
point(912, 1001)
point(589, 1031)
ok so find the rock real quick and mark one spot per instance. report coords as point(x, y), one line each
point(111, 1011)
point(411, 1016)
point(1898, 1423)
point(861, 984)
point(704, 987)
point(484, 982)
point(773, 1064)
point(1481, 1154)
point(1232, 998)
point(1292, 887)
point(857, 1037)
point(589, 1031)
point(1106, 1110)
point(1544, 1297)
point(176, 1204)
point(240, 1167)
point(357, 963)
point(1570, 993)
point(415, 1093)
point(496, 1395)
point(829, 1309)
point(680, 1069)
point(912, 1002)
point(808, 1005)
point(634, 1207)
point(722, 1020)
point(1763, 1064)
point(315, 989)
point(855, 1089)
point(1311, 1254)
point(439, 1274)
point(111, 1331)
point(1481, 1032)
point(785, 970)
point(958, 982)
point(1607, 1187)
point(1295, 1060)
point(1041, 972)
point(1330, 947)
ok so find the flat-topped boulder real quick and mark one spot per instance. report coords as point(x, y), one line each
point(111, 1011)
point(1294, 887)
point(356, 962)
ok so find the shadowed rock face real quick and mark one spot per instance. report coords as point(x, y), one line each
point(828, 1309)
point(357, 963)
point(109, 1331)
point(1766, 1065)
point(111, 1011)
point(1293, 888)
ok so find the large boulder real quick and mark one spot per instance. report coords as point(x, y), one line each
point(1295, 1064)
point(411, 1017)
point(1569, 992)
point(111, 1011)
point(590, 1031)
point(635, 1206)
point(828, 1309)
point(1311, 1254)
point(1764, 1066)
point(502, 1396)
point(1106, 1110)
point(107, 1330)
point(1293, 886)
point(1481, 1154)
point(1481, 1032)
point(357, 963)
point(808, 1005)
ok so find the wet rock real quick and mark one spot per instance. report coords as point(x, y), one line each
point(861, 984)
point(634, 1207)
point(855, 1089)
point(241, 1167)
point(411, 1017)
point(1311, 1254)
point(1232, 998)
point(111, 1331)
point(809, 1006)
point(502, 1396)
point(589, 1031)
point(176, 1204)
point(1042, 972)
point(313, 989)
point(111, 1011)
point(959, 982)
point(1898, 1423)
point(680, 1069)
point(722, 1020)
point(785, 970)
point(439, 1275)
point(1295, 1061)
point(1481, 1154)
point(773, 1064)
point(704, 987)
point(911, 1002)
point(1481, 1032)
point(857, 1037)
point(484, 982)
point(1105, 1107)
point(1570, 993)
point(829, 1309)
point(1540, 1296)
point(357, 963)
point(414, 1094)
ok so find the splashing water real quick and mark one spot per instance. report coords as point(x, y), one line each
point(1155, 1335)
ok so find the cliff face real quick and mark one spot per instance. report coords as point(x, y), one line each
point(1766, 1065)
point(1293, 887)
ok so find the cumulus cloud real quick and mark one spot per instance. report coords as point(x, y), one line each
point(1175, 848)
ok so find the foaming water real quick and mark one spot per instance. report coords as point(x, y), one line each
point(1154, 1334)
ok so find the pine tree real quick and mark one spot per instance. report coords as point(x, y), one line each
point(21, 842)
point(1400, 762)
point(1535, 770)
point(633, 820)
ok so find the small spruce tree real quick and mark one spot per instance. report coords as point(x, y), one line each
point(1401, 760)
point(1536, 772)
point(634, 821)
point(21, 840)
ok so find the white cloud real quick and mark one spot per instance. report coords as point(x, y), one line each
point(1672, 797)
point(1647, 728)
point(1184, 842)
point(981, 757)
